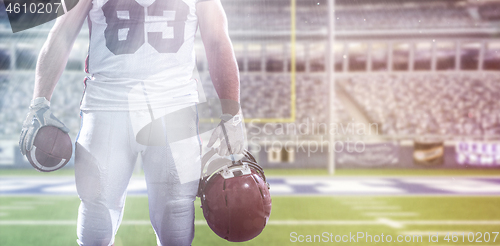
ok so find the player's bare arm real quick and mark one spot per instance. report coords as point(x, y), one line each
point(56, 49)
point(219, 50)
point(51, 62)
point(225, 77)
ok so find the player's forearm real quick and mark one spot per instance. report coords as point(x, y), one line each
point(55, 52)
point(224, 73)
point(221, 61)
point(51, 63)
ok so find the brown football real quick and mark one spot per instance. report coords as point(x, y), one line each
point(51, 150)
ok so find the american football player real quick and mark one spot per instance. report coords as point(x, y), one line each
point(140, 62)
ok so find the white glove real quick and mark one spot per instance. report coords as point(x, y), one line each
point(38, 116)
point(235, 131)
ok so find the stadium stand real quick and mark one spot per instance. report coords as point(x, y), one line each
point(490, 11)
point(4, 59)
point(19, 87)
point(405, 18)
point(414, 103)
point(268, 96)
point(371, 15)
point(258, 101)
point(4, 21)
point(4, 80)
point(458, 104)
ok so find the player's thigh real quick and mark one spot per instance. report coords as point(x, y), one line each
point(178, 154)
point(104, 155)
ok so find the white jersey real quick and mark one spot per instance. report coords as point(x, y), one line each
point(141, 54)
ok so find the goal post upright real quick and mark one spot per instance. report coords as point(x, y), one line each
point(331, 84)
point(292, 59)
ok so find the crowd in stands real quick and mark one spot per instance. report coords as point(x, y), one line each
point(269, 96)
point(312, 15)
point(413, 103)
point(405, 18)
point(277, 18)
point(457, 104)
point(16, 94)
point(261, 97)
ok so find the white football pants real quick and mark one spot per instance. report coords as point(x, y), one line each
point(105, 155)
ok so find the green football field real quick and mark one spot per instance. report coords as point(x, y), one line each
point(415, 220)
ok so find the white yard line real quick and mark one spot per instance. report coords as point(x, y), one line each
point(323, 222)
point(367, 203)
point(390, 223)
point(377, 207)
point(440, 233)
point(380, 221)
point(451, 222)
point(33, 203)
point(358, 200)
point(381, 214)
point(37, 222)
point(15, 207)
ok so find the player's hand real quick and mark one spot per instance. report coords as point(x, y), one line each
point(39, 115)
point(235, 132)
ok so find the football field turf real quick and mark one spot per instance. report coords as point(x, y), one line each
point(51, 220)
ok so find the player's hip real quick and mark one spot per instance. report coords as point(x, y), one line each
point(144, 127)
point(132, 95)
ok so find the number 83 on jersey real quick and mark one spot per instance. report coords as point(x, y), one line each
point(130, 25)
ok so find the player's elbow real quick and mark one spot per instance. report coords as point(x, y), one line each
point(217, 45)
point(61, 36)
point(212, 46)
